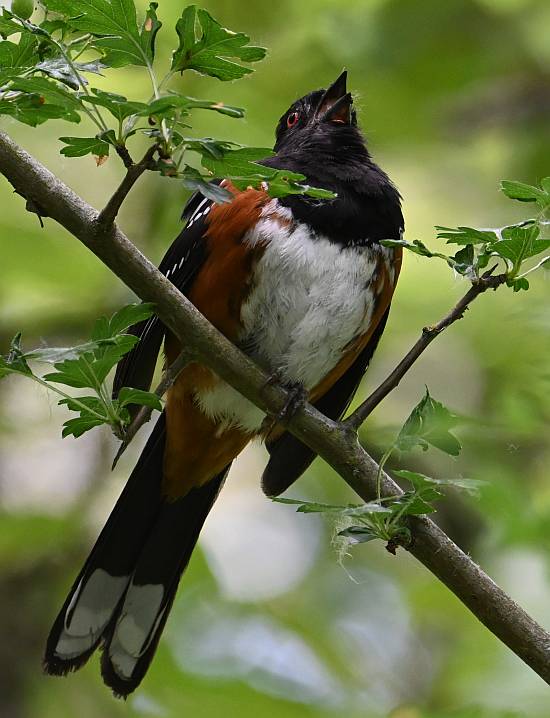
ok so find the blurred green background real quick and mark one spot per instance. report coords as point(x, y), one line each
point(453, 96)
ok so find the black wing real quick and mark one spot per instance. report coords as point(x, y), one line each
point(180, 264)
point(289, 458)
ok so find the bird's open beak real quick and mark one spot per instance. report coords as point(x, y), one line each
point(335, 104)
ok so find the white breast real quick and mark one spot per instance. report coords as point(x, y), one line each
point(310, 298)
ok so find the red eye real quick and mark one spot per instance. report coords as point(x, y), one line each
point(292, 119)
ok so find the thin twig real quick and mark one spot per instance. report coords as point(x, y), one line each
point(108, 214)
point(335, 442)
point(144, 413)
point(487, 281)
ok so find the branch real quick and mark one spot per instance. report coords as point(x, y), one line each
point(144, 413)
point(487, 281)
point(134, 171)
point(335, 442)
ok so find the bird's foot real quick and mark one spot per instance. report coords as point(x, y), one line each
point(297, 395)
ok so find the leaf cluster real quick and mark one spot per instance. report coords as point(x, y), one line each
point(429, 424)
point(47, 73)
point(87, 366)
point(512, 246)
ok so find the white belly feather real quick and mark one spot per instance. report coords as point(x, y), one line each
point(310, 298)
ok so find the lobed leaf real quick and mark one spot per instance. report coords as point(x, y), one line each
point(520, 243)
point(422, 482)
point(170, 105)
point(50, 92)
point(215, 52)
point(524, 192)
point(77, 427)
point(106, 328)
point(17, 58)
point(7, 25)
point(80, 146)
point(429, 423)
point(193, 180)
point(240, 165)
point(114, 25)
point(129, 395)
point(117, 105)
point(149, 29)
point(465, 235)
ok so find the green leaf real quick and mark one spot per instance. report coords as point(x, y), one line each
point(77, 427)
point(307, 507)
point(149, 29)
point(51, 93)
point(415, 504)
point(522, 192)
point(170, 105)
point(136, 396)
point(117, 105)
point(81, 403)
point(520, 243)
point(214, 52)
point(419, 481)
point(90, 370)
point(518, 284)
point(7, 25)
point(16, 59)
point(107, 356)
point(80, 146)
point(53, 26)
point(193, 180)
point(466, 235)
point(417, 247)
point(238, 162)
point(31, 109)
point(106, 328)
point(114, 24)
point(429, 424)
point(465, 261)
point(422, 482)
point(208, 146)
point(59, 69)
point(240, 166)
point(78, 373)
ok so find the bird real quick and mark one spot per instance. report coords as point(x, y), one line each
point(303, 286)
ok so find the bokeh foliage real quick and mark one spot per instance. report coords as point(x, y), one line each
point(453, 97)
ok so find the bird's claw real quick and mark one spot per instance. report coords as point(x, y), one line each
point(297, 395)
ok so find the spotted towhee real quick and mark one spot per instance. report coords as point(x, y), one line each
point(304, 287)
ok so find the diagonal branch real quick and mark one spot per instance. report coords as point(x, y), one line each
point(333, 441)
point(487, 281)
point(134, 171)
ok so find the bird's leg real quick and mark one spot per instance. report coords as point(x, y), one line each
point(297, 394)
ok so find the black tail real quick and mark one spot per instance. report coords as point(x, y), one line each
point(122, 596)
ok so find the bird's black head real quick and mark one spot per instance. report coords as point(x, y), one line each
point(318, 137)
point(322, 118)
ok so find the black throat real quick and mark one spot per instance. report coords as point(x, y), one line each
point(367, 208)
